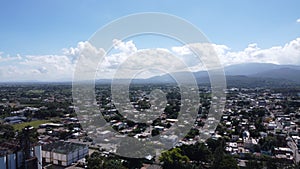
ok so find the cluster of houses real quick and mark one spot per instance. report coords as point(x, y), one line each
point(257, 115)
point(250, 118)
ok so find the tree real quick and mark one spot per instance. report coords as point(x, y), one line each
point(7, 132)
point(154, 132)
point(133, 163)
point(251, 164)
point(173, 159)
point(197, 152)
point(113, 164)
point(213, 143)
point(192, 133)
point(228, 162)
point(271, 163)
point(268, 143)
point(223, 161)
point(96, 161)
point(218, 157)
point(32, 135)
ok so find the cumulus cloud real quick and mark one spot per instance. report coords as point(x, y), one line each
point(298, 20)
point(36, 67)
point(62, 67)
point(200, 56)
point(126, 47)
point(10, 58)
point(285, 54)
point(181, 50)
point(150, 62)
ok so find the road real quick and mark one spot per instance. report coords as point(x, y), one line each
point(293, 146)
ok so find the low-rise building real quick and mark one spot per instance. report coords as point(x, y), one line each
point(63, 153)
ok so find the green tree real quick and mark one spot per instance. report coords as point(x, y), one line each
point(173, 159)
point(271, 163)
point(113, 164)
point(133, 163)
point(154, 132)
point(268, 143)
point(229, 162)
point(96, 161)
point(218, 157)
point(192, 133)
point(213, 144)
point(33, 135)
point(197, 152)
point(223, 161)
point(6, 132)
point(251, 164)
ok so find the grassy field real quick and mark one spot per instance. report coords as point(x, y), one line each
point(35, 124)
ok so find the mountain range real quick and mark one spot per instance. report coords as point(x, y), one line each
point(243, 75)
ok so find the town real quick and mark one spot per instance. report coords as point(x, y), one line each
point(40, 128)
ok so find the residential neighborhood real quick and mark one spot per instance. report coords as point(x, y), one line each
point(258, 125)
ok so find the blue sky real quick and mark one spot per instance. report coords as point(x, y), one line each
point(45, 27)
point(37, 36)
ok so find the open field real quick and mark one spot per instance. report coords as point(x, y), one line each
point(35, 124)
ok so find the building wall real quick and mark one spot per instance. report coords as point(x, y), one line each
point(38, 154)
point(15, 160)
point(48, 156)
point(19, 158)
point(11, 161)
point(3, 162)
point(65, 159)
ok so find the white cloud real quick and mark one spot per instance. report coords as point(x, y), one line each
point(36, 67)
point(46, 67)
point(125, 47)
point(150, 62)
point(286, 54)
point(10, 58)
point(181, 50)
point(62, 67)
point(298, 20)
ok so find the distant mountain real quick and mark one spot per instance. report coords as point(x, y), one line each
point(255, 68)
point(248, 68)
point(281, 73)
point(249, 74)
point(167, 78)
point(248, 81)
point(240, 75)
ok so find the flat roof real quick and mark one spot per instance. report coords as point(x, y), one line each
point(63, 147)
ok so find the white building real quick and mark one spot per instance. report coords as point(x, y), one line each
point(63, 153)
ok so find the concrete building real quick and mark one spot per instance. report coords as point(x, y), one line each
point(63, 153)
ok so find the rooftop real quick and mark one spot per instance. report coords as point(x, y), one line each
point(63, 147)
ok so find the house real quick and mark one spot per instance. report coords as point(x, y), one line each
point(283, 153)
